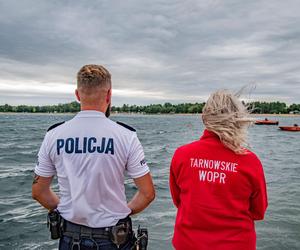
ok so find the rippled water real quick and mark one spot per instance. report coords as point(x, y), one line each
point(23, 221)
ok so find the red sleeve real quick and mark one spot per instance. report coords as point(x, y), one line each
point(259, 199)
point(174, 188)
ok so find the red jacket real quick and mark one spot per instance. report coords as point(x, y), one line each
point(218, 194)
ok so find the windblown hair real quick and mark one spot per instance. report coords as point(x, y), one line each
point(92, 75)
point(225, 115)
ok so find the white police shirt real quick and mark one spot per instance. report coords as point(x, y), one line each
point(90, 155)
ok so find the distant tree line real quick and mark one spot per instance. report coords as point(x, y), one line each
point(273, 108)
point(60, 108)
point(167, 108)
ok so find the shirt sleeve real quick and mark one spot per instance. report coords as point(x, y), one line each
point(259, 199)
point(136, 165)
point(44, 166)
point(174, 188)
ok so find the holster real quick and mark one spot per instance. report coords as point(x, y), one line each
point(142, 239)
point(55, 224)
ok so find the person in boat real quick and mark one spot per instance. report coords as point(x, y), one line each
point(89, 154)
point(217, 185)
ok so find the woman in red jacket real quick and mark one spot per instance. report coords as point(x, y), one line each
point(217, 185)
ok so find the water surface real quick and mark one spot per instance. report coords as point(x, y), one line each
point(23, 221)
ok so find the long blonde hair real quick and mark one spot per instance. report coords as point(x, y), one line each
point(225, 115)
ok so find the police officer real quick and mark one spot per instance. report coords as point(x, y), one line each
point(90, 155)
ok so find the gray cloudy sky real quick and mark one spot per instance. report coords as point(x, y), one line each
point(157, 51)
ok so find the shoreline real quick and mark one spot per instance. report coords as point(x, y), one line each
point(281, 115)
point(131, 114)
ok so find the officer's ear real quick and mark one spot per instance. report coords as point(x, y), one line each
point(108, 96)
point(77, 95)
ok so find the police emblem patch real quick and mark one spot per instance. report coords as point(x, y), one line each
point(143, 163)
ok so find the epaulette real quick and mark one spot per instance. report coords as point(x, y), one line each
point(55, 125)
point(126, 126)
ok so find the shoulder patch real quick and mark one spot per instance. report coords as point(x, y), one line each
point(126, 126)
point(55, 125)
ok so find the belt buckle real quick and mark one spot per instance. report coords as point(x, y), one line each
point(86, 231)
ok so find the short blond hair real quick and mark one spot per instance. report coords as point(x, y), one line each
point(93, 75)
point(225, 115)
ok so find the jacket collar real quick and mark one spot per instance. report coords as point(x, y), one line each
point(209, 134)
point(90, 113)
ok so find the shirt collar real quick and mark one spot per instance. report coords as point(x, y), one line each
point(209, 134)
point(90, 113)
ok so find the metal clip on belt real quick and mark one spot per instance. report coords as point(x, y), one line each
point(76, 232)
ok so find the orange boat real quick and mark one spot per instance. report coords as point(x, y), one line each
point(266, 121)
point(291, 128)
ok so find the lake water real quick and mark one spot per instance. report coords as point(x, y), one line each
point(23, 221)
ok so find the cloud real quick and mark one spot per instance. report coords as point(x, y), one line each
point(236, 49)
point(156, 51)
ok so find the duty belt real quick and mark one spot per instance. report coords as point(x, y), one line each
point(71, 229)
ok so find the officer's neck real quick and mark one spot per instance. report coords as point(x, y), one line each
point(101, 108)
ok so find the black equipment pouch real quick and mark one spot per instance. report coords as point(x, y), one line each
point(54, 223)
point(142, 238)
point(119, 234)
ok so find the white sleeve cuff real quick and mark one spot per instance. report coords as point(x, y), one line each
point(139, 174)
point(37, 171)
